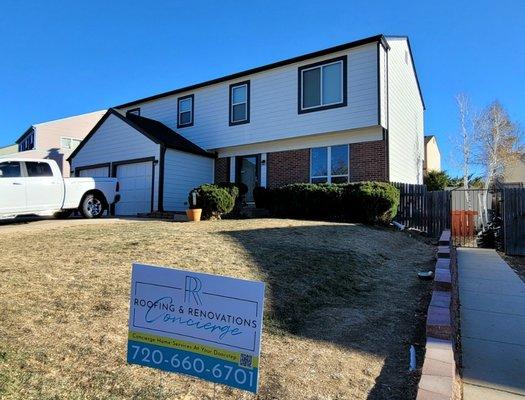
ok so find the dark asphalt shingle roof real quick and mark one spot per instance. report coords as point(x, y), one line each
point(166, 136)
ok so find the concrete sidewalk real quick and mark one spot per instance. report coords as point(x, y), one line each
point(492, 309)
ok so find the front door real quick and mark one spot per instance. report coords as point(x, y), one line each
point(248, 173)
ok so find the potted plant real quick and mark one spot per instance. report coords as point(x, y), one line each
point(193, 212)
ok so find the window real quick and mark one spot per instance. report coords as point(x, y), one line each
point(28, 143)
point(9, 170)
point(69, 143)
point(329, 164)
point(35, 169)
point(322, 85)
point(240, 103)
point(185, 111)
point(134, 111)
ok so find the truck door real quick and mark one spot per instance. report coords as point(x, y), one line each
point(45, 191)
point(12, 188)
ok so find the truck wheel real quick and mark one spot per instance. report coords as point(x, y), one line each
point(62, 214)
point(93, 206)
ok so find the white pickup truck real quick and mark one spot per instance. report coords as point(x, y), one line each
point(36, 187)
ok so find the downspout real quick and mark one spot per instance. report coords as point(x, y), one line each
point(161, 178)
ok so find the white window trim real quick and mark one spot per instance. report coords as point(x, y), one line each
point(70, 138)
point(245, 102)
point(329, 175)
point(321, 85)
point(182, 112)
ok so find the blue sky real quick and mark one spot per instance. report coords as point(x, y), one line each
point(61, 58)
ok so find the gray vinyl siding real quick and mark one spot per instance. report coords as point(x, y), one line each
point(183, 172)
point(116, 141)
point(273, 106)
point(405, 130)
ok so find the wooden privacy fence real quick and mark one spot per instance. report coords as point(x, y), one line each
point(461, 211)
point(514, 221)
point(426, 211)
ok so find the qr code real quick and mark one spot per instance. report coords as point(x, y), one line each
point(245, 361)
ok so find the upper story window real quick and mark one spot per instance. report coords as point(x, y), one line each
point(10, 169)
point(185, 111)
point(69, 143)
point(28, 143)
point(329, 164)
point(322, 85)
point(240, 103)
point(134, 111)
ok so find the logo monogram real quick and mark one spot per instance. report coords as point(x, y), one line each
point(192, 288)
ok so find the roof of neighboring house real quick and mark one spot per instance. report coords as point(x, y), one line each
point(372, 39)
point(23, 136)
point(154, 130)
point(429, 138)
point(9, 149)
point(54, 121)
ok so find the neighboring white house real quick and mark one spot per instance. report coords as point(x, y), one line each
point(56, 139)
point(348, 113)
point(432, 155)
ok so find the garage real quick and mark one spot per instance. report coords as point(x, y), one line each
point(156, 167)
point(100, 171)
point(136, 187)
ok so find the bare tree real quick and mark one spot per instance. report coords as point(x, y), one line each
point(497, 145)
point(497, 139)
point(465, 141)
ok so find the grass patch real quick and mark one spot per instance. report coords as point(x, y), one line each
point(343, 306)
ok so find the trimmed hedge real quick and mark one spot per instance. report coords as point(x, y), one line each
point(214, 200)
point(368, 202)
point(260, 196)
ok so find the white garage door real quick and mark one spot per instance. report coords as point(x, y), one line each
point(135, 188)
point(102, 172)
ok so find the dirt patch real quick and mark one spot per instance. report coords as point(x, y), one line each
point(343, 307)
point(517, 263)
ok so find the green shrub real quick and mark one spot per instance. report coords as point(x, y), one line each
point(436, 180)
point(232, 188)
point(214, 200)
point(307, 200)
point(368, 202)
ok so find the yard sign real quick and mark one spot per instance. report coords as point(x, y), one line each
point(207, 326)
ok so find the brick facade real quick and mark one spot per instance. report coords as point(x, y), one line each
point(222, 170)
point(284, 167)
point(368, 161)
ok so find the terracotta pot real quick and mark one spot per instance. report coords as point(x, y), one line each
point(194, 214)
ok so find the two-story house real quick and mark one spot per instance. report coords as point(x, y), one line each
point(56, 139)
point(348, 113)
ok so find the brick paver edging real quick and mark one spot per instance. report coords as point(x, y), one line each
point(438, 377)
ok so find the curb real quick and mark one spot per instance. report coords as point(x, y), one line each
point(439, 367)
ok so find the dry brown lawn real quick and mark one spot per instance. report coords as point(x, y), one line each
point(343, 307)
